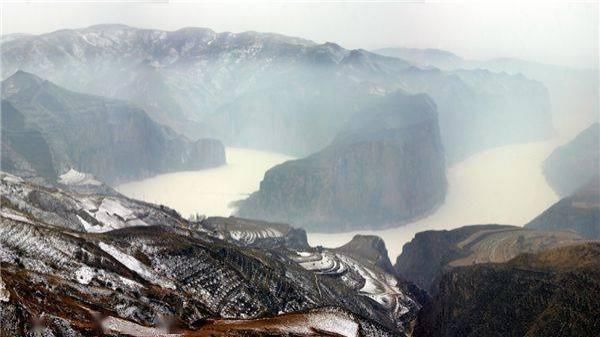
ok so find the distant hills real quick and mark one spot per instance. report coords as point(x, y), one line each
point(573, 91)
point(48, 130)
point(274, 92)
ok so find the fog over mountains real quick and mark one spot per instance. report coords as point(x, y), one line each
point(47, 130)
point(270, 91)
point(373, 135)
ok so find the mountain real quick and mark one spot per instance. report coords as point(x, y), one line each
point(573, 92)
point(575, 163)
point(579, 212)
point(100, 262)
point(386, 166)
point(274, 92)
point(432, 253)
point(48, 130)
point(550, 293)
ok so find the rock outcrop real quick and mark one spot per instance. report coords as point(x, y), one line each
point(386, 167)
point(551, 293)
point(431, 253)
point(574, 164)
point(48, 130)
point(579, 212)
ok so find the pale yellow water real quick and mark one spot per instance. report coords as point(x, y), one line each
point(209, 192)
point(501, 185)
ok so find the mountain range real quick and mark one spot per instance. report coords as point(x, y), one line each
point(573, 92)
point(274, 92)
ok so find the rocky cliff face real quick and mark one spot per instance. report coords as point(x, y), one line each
point(101, 263)
point(551, 293)
point(387, 166)
point(47, 130)
point(574, 164)
point(431, 253)
point(273, 92)
point(579, 212)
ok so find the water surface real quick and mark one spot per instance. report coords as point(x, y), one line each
point(503, 185)
point(209, 192)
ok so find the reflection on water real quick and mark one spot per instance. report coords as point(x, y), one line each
point(211, 191)
point(503, 185)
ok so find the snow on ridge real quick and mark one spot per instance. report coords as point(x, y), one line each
point(136, 266)
point(4, 294)
point(92, 228)
point(16, 217)
point(114, 215)
point(121, 326)
point(9, 178)
point(74, 177)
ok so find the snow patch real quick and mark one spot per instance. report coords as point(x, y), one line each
point(84, 275)
point(113, 214)
point(135, 265)
point(91, 228)
point(4, 294)
point(121, 326)
point(74, 177)
point(16, 217)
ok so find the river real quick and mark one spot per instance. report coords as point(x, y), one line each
point(502, 185)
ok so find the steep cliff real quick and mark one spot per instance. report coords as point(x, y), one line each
point(386, 167)
point(47, 130)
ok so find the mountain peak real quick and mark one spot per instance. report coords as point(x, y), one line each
point(18, 81)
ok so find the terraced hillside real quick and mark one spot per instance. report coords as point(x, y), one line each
point(142, 264)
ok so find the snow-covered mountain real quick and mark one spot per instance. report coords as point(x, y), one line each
point(97, 260)
point(270, 91)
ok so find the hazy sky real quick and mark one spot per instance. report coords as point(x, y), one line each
point(552, 32)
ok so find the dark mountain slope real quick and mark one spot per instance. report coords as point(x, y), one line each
point(110, 139)
point(551, 293)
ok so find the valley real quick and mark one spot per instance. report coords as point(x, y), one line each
point(503, 185)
